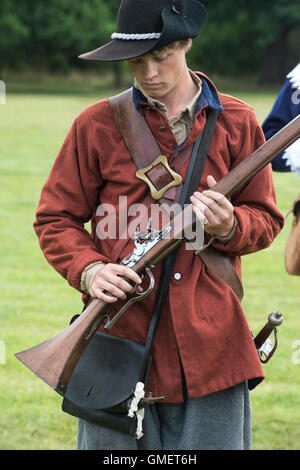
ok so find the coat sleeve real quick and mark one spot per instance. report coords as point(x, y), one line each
point(255, 206)
point(283, 111)
point(67, 201)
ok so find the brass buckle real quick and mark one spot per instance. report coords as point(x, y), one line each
point(148, 173)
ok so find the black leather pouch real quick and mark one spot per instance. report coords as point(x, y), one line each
point(104, 380)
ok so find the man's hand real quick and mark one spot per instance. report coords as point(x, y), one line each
point(108, 285)
point(214, 210)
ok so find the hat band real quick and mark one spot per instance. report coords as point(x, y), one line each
point(136, 37)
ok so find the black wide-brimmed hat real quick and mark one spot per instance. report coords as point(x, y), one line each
point(146, 25)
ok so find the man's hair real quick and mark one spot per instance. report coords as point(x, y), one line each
point(173, 45)
point(180, 44)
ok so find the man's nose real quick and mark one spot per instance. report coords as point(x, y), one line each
point(150, 70)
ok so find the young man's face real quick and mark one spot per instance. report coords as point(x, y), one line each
point(160, 72)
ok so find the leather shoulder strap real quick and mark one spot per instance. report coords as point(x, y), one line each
point(131, 123)
point(220, 264)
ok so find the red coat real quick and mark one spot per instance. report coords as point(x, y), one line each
point(203, 326)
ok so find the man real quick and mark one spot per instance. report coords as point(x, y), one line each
point(203, 353)
point(285, 109)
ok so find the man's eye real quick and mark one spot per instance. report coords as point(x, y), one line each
point(161, 58)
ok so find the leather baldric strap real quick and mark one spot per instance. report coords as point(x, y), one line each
point(220, 264)
point(143, 147)
point(144, 150)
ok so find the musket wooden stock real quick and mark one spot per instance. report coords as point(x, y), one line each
point(54, 360)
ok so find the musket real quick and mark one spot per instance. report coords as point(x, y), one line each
point(55, 359)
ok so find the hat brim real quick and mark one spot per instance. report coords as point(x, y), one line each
point(181, 19)
point(120, 50)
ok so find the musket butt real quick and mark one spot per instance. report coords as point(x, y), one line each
point(275, 318)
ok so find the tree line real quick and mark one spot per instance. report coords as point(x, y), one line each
point(258, 37)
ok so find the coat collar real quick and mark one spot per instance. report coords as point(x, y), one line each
point(208, 97)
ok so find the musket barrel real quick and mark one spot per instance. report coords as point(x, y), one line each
point(265, 154)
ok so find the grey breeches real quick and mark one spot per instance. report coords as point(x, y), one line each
point(219, 421)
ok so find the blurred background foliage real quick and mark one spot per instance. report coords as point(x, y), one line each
point(257, 40)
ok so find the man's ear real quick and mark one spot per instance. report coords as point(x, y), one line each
point(188, 46)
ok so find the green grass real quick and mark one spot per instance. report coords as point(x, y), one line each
point(36, 302)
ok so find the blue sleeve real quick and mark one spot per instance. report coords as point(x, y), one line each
point(283, 111)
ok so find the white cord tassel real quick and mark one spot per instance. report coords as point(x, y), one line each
point(136, 36)
point(294, 77)
point(292, 156)
point(138, 395)
point(292, 153)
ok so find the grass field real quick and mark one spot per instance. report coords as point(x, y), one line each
point(36, 303)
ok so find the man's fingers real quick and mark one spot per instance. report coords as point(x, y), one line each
point(122, 270)
point(217, 210)
point(209, 197)
point(207, 206)
point(219, 198)
point(199, 214)
point(210, 181)
point(110, 283)
point(103, 287)
point(105, 297)
point(213, 206)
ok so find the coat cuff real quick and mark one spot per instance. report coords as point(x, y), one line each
point(229, 237)
point(236, 240)
point(88, 274)
point(79, 263)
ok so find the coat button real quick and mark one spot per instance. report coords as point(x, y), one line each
point(177, 276)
